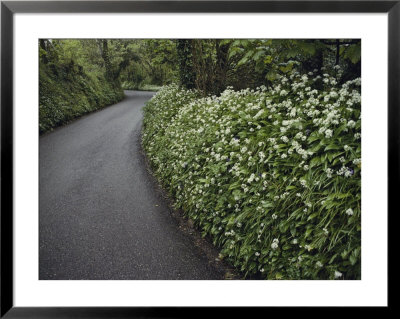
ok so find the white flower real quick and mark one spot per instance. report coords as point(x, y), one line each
point(318, 264)
point(328, 133)
point(338, 274)
point(251, 178)
point(274, 245)
point(333, 94)
point(349, 212)
point(351, 123)
point(274, 216)
point(262, 270)
point(257, 254)
point(348, 172)
point(329, 172)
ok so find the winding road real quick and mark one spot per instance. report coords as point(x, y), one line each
point(100, 216)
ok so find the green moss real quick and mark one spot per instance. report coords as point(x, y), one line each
point(67, 92)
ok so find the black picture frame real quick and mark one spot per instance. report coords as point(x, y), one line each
point(9, 8)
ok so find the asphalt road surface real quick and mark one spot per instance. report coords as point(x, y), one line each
point(99, 214)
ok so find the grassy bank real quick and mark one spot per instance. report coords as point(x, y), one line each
point(67, 92)
point(272, 175)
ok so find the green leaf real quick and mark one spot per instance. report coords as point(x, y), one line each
point(246, 58)
point(308, 232)
point(278, 275)
point(286, 68)
point(258, 55)
point(292, 53)
point(332, 259)
point(271, 75)
point(315, 161)
point(332, 147)
point(283, 227)
point(353, 259)
point(268, 59)
point(306, 47)
point(312, 216)
point(266, 204)
point(353, 53)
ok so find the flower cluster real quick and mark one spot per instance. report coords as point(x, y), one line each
point(272, 175)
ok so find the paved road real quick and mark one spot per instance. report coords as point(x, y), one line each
point(100, 216)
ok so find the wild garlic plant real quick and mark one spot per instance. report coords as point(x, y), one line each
point(272, 175)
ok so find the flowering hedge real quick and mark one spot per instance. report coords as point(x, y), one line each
point(272, 175)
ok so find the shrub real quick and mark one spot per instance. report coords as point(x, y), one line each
point(273, 175)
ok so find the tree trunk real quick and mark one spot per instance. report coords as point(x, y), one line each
point(103, 46)
point(185, 59)
point(222, 66)
point(337, 52)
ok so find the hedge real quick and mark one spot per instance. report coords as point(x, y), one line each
point(272, 175)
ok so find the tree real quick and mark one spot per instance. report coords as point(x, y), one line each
point(187, 74)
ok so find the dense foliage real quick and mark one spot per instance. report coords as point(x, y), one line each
point(258, 141)
point(152, 65)
point(210, 65)
point(273, 175)
point(80, 76)
point(72, 82)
